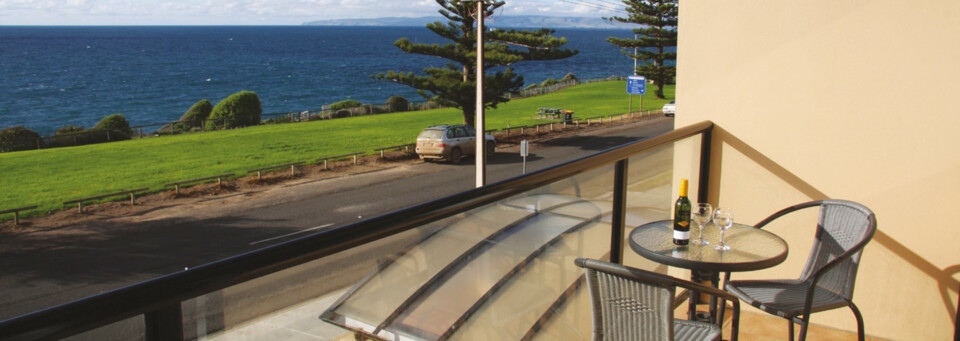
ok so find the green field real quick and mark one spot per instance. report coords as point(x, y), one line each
point(50, 176)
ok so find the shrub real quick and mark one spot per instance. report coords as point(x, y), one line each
point(239, 110)
point(18, 138)
point(66, 130)
point(345, 104)
point(279, 119)
point(398, 103)
point(66, 136)
point(114, 127)
point(430, 105)
point(379, 109)
point(569, 77)
point(532, 86)
point(197, 113)
point(549, 82)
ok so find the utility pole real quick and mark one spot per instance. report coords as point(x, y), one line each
point(635, 57)
point(630, 105)
point(481, 136)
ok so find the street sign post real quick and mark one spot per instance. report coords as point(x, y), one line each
point(524, 151)
point(636, 85)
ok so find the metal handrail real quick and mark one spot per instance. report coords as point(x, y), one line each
point(160, 296)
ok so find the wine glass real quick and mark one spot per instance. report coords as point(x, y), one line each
point(723, 218)
point(701, 213)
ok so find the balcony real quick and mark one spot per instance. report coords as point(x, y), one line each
point(490, 263)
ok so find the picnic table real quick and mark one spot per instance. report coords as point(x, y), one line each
point(555, 113)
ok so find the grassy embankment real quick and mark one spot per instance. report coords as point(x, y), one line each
point(49, 177)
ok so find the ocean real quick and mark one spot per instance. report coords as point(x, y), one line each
point(56, 76)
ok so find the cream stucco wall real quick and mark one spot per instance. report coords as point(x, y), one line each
point(846, 99)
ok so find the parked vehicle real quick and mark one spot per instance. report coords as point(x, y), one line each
point(450, 143)
point(670, 109)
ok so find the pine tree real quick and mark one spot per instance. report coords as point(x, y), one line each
point(455, 84)
point(660, 20)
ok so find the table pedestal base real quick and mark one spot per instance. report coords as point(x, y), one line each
point(711, 279)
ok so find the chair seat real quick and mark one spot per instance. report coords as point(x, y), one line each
point(692, 330)
point(784, 298)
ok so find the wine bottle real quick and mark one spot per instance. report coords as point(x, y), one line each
point(681, 216)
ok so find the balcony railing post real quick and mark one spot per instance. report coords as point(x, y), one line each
point(619, 211)
point(164, 324)
point(706, 144)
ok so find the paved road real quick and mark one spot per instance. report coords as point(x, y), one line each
point(41, 269)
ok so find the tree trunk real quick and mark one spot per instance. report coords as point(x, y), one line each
point(469, 115)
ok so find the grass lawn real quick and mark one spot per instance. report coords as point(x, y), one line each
point(50, 176)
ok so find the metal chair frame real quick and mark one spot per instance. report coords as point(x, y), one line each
point(811, 276)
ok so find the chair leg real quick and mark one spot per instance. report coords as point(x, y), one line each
point(856, 312)
point(723, 303)
point(790, 322)
point(803, 329)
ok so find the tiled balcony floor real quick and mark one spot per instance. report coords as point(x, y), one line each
point(757, 327)
point(764, 327)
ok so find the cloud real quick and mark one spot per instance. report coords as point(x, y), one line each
point(240, 12)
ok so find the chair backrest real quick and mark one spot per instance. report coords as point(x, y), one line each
point(843, 229)
point(629, 304)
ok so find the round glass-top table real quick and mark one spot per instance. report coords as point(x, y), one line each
point(750, 248)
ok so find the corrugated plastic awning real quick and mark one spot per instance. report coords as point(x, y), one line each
point(504, 271)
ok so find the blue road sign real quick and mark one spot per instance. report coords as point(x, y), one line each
point(636, 85)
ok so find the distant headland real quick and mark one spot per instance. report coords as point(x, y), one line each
point(496, 21)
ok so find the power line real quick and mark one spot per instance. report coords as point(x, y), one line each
point(593, 5)
point(608, 4)
point(605, 5)
point(614, 3)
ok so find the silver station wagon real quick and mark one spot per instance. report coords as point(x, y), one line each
point(450, 142)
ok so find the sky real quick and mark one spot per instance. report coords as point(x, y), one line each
point(259, 12)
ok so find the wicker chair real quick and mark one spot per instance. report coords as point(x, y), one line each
point(634, 304)
point(826, 282)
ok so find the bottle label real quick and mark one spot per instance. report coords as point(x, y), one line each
point(681, 235)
